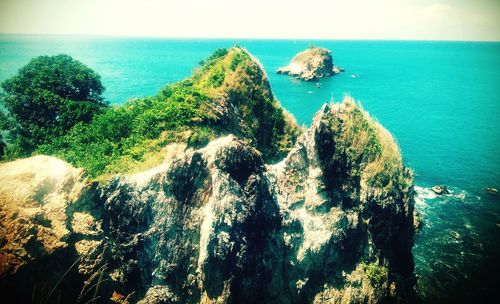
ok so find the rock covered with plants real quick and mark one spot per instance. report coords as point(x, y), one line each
point(347, 210)
point(228, 93)
point(311, 64)
point(202, 218)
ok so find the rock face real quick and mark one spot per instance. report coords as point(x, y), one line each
point(310, 65)
point(331, 223)
point(347, 210)
point(49, 219)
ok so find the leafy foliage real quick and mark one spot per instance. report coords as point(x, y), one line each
point(246, 87)
point(218, 53)
point(123, 138)
point(216, 77)
point(129, 132)
point(237, 59)
point(47, 98)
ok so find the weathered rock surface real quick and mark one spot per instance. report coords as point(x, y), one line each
point(48, 219)
point(347, 210)
point(331, 223)
point(312, 64)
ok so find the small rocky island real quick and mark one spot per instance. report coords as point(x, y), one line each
point(311, 65)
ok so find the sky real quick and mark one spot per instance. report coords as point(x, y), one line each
point(287, 19)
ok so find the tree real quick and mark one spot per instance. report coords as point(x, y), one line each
point(48, 97)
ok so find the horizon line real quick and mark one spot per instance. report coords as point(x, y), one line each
point(238, 38)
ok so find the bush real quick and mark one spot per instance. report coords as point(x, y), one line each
point(376, 273)
point(119, 131)
point(200, 137)
point(370, 146)
point(47, 97)
point(218, 53)
point(120, 138)
point(237, 59)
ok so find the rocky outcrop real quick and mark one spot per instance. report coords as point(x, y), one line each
point(312, 64)
point(331, 223)
point(50, 225)
point(347, 210)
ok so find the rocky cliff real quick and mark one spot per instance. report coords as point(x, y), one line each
point(331, 223)
point(213, 223)
point(310, 65)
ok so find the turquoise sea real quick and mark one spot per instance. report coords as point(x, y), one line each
point(441, 100)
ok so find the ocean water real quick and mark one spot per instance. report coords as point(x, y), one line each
point(441, 100)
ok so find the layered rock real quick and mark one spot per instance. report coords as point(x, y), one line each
point(310, 65)
point(331, 223)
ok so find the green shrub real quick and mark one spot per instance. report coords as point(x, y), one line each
point(237, 59)
point(213, 59)
point(216, 77)
point(376, 273)
point(47, 98)
point(200, 137)
point(118, 131)
point(367, 144)
point(218, 53)
point(124, 138)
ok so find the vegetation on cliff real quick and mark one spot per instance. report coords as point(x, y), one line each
point(332, 222)
point(228, 93)
point(364, 141)
point(214, 225)
point(376, 273)
point(346, 185)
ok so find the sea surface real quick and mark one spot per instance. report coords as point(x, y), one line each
point(441, 100)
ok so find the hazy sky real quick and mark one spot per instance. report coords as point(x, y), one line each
point(330, 19)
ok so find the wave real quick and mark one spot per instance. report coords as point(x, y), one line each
point(425, 194)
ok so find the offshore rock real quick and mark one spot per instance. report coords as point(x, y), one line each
point(331, 223)
point(312, 64)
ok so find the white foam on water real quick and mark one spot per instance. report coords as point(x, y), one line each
point(468, 225)
point(463, 195)
point(426, 194)
point(423, 195)
point(460, 195)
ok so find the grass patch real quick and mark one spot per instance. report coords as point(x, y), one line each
point(367, 143)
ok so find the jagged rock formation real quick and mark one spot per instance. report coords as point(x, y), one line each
point(348, 210)
point(331, 223)
point(310, 65)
